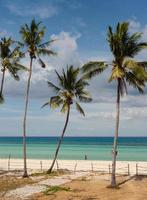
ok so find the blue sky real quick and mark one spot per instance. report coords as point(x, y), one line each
point(81, 26)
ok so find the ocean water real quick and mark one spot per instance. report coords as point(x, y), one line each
point(75, 148)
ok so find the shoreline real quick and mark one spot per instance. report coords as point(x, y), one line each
point(123, 167)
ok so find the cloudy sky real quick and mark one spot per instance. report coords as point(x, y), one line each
point(81, 26)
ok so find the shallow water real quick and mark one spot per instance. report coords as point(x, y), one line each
point(75, 148)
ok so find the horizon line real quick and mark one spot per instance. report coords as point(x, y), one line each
point(69, 136)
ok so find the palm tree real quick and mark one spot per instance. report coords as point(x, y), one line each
point(10, 56)
point(32, 39)
point(70, 89)
point(124, 70)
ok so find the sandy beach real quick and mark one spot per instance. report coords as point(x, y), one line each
point(72, 180)
point(123, 167)
point(95, 187)
point(71, 185)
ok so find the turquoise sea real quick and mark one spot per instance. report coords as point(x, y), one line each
point(75, 148)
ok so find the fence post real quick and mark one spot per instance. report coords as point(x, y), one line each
point(92, 166)
point(128, 170)
point(57, 165)
point(41, 165)
point(136, 169)
point(109, 169)
point(9, 162)
point(75, 167)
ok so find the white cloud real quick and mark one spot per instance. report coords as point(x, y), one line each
point(67, 49)
point(136, 26)
point(43, 11)
point(126, 114)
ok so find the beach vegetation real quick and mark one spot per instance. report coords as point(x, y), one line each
point(10, 55)
point(53, 189)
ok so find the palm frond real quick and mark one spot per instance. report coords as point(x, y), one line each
point(94, 65)
point(79, 109)
point(46, 104)
point(13, 72)
point(42, 64)
point(64, 107)
point(32, 37)
point(143, 64)
point(47, 44)
point(56, 101)
point(19, 66)
point(84, 98)
point(53, 86)
point(92, 69)
point(117, 73)
point(135, 82)
point(71, 87)
point(45, 52)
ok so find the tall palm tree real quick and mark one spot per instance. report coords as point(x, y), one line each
point(124, 70)
point(70, 89)
point(10, 56)
point(32, 40)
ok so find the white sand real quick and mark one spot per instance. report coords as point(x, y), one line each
point(76, 165)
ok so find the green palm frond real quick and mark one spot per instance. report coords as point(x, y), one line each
point(32, 37)
point(79, 109)
point(117, 73)
point(41, 63)
point(60, 78)
point(14, 75)
point(70, 87)
point(10, 57)
point(130, 64)
point(122, 43)
point(45, 104)
point(92, 69)
point(84, 98)
point(135, 82)
point(19, 66)
point(47, 44)
point(64, 107)
point(137, 68)
point(53, 86)
point(45, 52)
point(56, 101)
point(143, 64)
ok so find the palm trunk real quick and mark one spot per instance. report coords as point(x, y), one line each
point(60, 140)
point(114, 151)
point(25, 174)
point(2, 86)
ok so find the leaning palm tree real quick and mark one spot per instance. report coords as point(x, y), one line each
point(32, 40)
point(124, 70)
point(10, 56)
point(70, 89)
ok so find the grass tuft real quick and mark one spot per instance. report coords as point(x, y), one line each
point(53, 173)
point(53, 189)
